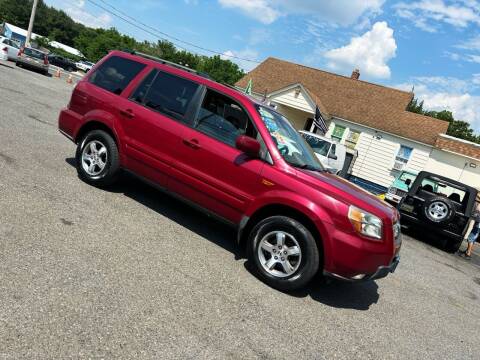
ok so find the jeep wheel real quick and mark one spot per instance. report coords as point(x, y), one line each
point(283, 252)
point(438, 210)
point(97, 158)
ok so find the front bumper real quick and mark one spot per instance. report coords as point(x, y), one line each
point(393, 199)
point(381, 272)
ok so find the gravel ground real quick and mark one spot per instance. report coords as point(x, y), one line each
point(132, 273)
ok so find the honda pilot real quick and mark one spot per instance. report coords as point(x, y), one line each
point(234, 157)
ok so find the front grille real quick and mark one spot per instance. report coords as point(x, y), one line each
point(401, 193)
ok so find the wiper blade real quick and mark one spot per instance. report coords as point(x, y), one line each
point(308, 167)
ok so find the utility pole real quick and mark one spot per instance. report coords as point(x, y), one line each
point(30, 25)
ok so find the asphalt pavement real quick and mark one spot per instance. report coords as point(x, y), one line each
point(132, 273)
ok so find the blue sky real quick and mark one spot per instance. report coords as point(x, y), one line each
point(433, 45)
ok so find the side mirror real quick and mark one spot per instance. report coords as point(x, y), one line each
point(249, 146)
point(332, 156)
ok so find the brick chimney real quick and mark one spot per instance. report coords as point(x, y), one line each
point(355, 74)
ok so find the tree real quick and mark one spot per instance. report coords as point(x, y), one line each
point(457, 128)
point(95, 43)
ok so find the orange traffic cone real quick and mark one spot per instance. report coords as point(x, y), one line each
point(57, 73)
point(70, 79)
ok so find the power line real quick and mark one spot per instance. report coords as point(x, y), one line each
point(155, 32)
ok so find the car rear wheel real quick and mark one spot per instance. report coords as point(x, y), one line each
point(97, 157)
point(283, 252)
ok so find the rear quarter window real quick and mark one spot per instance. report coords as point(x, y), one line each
point(115, 74)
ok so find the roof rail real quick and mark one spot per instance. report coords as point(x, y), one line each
point(166, 62)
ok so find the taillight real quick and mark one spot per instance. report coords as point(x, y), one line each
point(5, 49)
point(45, 60)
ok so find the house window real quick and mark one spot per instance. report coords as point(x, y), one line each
point(338, 132)
point(352, 139)
point(404, 154)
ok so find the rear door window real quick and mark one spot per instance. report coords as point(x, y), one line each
point(34, 53)
point(166, 93)
point(115, 74)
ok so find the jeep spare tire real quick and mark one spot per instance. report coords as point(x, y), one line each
point(438, 210)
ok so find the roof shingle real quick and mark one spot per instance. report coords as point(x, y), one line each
point(458, 146)
point(372, 105)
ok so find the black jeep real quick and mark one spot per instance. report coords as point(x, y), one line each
point(441, 206)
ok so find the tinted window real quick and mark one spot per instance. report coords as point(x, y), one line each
point(34, 53)
point(115, 74)
point(168, 94)
point(223, 119)
point(139, 94)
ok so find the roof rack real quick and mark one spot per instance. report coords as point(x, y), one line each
point(166, 62)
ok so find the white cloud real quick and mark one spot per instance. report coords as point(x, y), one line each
point(472, 44)
point(247, 53)
point(343, 12)
point(427, 14)
point(258, 9)
point(369, 52)
point(76, 10)
point(448, 93)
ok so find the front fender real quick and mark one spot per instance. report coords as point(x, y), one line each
point(319, 215)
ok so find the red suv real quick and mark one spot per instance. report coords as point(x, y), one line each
point(232, 157)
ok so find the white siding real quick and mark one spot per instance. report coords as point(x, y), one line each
point(297, 118)
point(377, 152)
point(418, 161)
point(455, 167)
point(289, 98)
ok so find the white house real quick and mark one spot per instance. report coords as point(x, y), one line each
point(368, 118)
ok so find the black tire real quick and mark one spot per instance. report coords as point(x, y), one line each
point(110, 172)
point(442, 201)
point(452, 245)
point(18, 64)
point(307, 267)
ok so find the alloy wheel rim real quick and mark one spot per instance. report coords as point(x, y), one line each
point(438, 210)
point(279, 254)
point(94, 158)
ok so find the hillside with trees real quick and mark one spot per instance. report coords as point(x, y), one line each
point(57, 25)
point(458, 128)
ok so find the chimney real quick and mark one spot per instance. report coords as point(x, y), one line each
point(355, 74)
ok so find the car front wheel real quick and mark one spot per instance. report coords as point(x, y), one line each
point(97, 158)
point(283, 252)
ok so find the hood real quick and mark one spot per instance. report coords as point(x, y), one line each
point(347, 192)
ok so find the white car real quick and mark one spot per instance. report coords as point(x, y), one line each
point(330, 153)
point(9, 47)
point(85, 66)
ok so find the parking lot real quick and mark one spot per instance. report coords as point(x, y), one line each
point(133, 273)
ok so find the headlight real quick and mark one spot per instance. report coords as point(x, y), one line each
point(365, 223)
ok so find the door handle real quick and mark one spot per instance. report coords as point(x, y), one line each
point(127, 113)
point(192, 143)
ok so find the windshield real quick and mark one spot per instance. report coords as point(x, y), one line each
point(291, 145)
point(321, 147)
